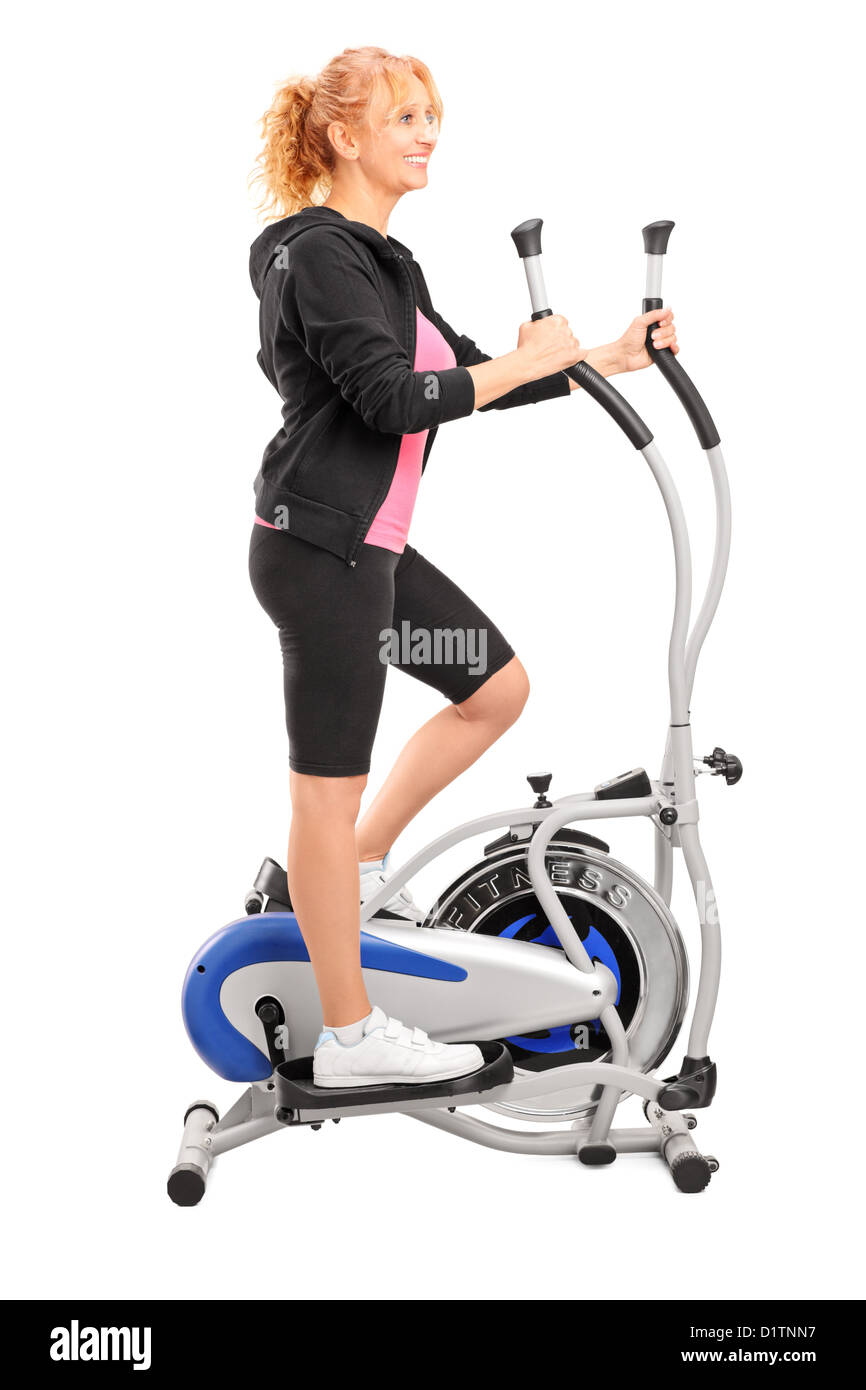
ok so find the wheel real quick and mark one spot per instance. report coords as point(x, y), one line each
point(622, 922)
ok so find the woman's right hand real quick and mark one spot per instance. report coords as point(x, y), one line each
point(548, 345)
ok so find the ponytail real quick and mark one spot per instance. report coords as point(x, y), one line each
point(291, 169)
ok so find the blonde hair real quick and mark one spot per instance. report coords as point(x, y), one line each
point(297, 161)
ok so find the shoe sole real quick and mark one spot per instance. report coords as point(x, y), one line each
point(345, 1082)
point(383, 915)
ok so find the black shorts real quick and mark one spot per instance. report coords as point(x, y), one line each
point(340, 629)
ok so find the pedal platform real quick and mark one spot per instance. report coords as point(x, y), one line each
point(296, 1093)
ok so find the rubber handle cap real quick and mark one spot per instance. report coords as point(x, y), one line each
point(656, 236)
point(527, 237)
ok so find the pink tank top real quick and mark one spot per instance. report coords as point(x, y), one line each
point(390, 526)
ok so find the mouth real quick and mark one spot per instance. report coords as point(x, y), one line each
point(418, 160)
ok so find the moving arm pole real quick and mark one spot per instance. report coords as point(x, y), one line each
point(527, 239)
point(655, 240)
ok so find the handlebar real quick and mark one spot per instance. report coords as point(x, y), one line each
point(527, 239)
point(684, 647)
point(655, 241)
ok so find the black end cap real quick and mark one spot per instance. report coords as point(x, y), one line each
point(185, 1185)
point(527, 237)
point(691, 1172)
point(656, 236)
point(597, 1155)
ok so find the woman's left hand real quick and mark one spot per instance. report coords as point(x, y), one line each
point(632, 344)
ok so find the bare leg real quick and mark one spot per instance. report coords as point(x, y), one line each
point(322, 869)
point(325, 844)
point(441, 749)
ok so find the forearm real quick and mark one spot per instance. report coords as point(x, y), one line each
point(499, 376)
point(607, 361)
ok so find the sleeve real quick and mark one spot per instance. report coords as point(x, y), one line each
point(330, 300)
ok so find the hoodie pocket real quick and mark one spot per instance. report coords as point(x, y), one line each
point(315, 445)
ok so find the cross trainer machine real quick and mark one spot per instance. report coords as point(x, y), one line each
point(562, 964)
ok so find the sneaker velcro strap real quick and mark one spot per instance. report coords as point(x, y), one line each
point(419, 1037)
point(393, 1029)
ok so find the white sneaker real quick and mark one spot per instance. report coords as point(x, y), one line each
point(400, 906)
point(390, 1052)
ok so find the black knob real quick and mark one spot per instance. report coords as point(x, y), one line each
point(540, 782)
point(668, 815)
point(733, 769)
point(726, 763)
point(268, 1012)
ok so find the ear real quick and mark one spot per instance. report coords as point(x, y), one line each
point(343, 140)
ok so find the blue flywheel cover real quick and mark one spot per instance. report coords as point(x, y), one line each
point(270, 936)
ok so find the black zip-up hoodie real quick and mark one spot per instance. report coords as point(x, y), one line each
point(337, 324)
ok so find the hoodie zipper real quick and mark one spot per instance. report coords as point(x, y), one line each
point(351, 561)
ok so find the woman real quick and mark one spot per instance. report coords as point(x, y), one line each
point(367, 371)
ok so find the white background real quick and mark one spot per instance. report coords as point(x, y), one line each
point(145, 768)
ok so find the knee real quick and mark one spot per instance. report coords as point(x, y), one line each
point(501, 698)
point(335, 797)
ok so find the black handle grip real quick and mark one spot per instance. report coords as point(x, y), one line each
point(682, 385)
point(617, 407)
point(656, 236)
point(527, 237)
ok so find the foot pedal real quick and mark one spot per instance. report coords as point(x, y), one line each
point(295, 1090)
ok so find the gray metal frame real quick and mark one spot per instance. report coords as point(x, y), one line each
point(668, 1132)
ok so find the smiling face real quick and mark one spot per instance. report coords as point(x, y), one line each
point(406, 143)
point(393, 154)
